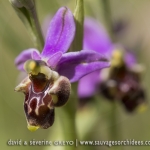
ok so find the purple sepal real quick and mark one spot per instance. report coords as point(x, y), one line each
point(75, 65)
point(87, 85)
point(60, 33)
point(23, 57)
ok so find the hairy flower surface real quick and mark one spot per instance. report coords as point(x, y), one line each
point(50, 73)
point(119, 82)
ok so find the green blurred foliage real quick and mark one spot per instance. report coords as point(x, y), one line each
point(14, 38)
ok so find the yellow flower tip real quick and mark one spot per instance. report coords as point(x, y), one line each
point(142, 108)
point(117, 58)
point(32, 128)
point(31, 66)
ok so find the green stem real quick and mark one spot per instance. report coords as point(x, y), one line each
point(114, 132)
point(108, 18)
point(37, 34)
point(26, 11)
point(69, 118)
point(113, 119)
point(114, 126)
point(79, 20)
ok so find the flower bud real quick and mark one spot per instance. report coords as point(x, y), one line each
point(28, 4)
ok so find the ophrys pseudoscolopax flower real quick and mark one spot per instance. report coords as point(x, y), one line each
point(50, 73)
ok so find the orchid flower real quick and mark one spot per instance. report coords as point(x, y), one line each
point(50, 73)
point(121, 81)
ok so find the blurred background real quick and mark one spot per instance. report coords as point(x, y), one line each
point(92, 122)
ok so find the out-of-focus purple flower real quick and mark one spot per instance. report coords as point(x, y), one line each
point(47, 85)
point(121, 81)
point(96, 38)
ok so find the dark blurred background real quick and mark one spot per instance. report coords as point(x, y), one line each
point(14, 38)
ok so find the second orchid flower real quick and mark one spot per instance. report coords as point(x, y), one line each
point(122, 81)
